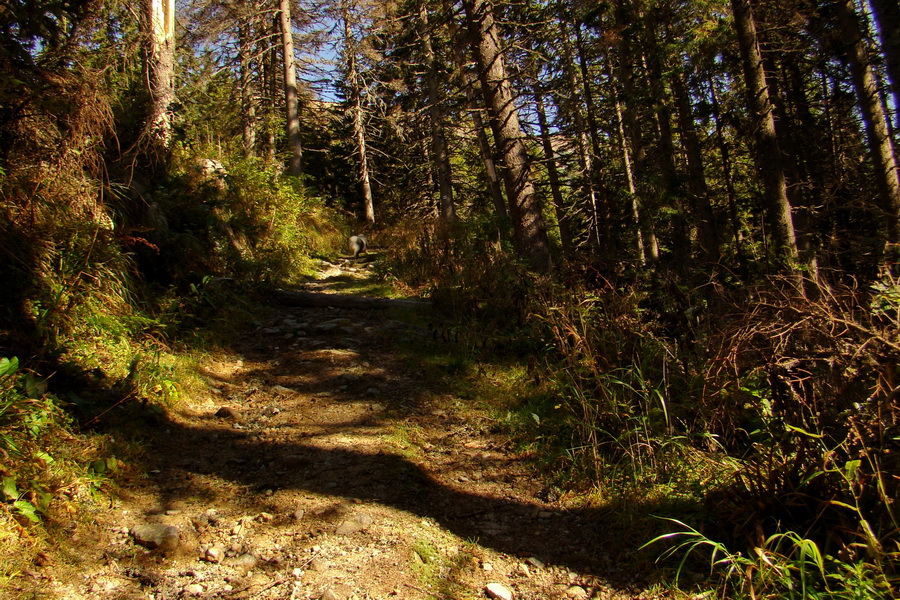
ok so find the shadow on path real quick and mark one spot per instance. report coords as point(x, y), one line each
point(310, 451)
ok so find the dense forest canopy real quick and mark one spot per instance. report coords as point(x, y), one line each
point(690, 209)
point(726, 136)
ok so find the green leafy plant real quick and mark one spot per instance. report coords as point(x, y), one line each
point(784, 565)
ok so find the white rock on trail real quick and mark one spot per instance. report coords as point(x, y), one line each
point(498, 591)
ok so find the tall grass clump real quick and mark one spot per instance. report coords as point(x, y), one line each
point(784, 565)
point(621, 394)
point(804, 392)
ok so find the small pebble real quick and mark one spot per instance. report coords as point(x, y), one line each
point(215, 554)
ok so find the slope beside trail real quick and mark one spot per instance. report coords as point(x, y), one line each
point(320, 462)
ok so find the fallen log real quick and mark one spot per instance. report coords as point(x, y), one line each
point(319, 299)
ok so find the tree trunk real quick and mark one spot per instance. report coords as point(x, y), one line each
point(601, 207)
point(728, 177)
point(562, 213)
point(791, 139)
point(632, 189)
point(487, 155)
point(673, 195)
point(267, 86)
point(469, 82)
point(887, 16)
point(525, 208)
point(698, 190)
point(358, 114)
point(632, 124)
point(359, 131)
point(768, 153)
point(159, 23)
point(574, 109)
point(442, 169)
point(292, 115)
point(880, 144)
point(248, 101)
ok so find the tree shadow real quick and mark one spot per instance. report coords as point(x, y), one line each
point(285, 456)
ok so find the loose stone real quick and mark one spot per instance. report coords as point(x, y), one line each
point(498, 591)
point(226, 412)
point(214, 554)
point(155, 535)
point(245, 562)
point(355, 523)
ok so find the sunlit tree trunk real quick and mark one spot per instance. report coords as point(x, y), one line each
point(600, 207)
point(487, 155)
point(159, 24)
point(469, 83)
point(768, 153)
point(267, 86)
point(632, 189)
point(525, 208)
point(880, 144)
point(291, 106)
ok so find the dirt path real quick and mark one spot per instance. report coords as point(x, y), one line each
point(321, 465)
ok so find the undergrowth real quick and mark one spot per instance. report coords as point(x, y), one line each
point(114, 286)
point(764, 425)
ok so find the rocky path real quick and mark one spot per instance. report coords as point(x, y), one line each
point(320, 464)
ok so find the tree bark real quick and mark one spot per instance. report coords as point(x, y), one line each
point(525, 208)
point(487, 155)
point(601, 207)
point(358, 114)
point(291, 103)
point(469, 83)
point(632, 189)
point(635, 137)
point(728, 177)
point(673, 193)
point(574, 109)
point(248, 100)
point(159, 24)
point(887, 16)
point(879, 139)
point(562, 213)
point(768, 153)
point(441, 155)
point(267, 85)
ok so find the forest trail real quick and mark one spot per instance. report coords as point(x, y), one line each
point(323, 463)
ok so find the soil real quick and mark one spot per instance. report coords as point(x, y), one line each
point(321, 462)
